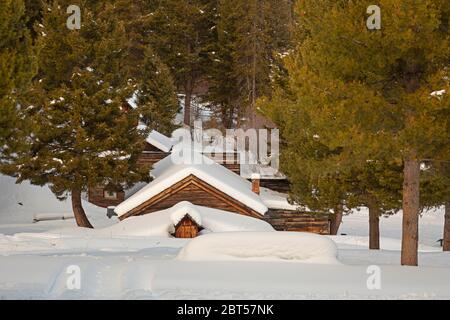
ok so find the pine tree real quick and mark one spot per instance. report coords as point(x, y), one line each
point(366, 93)
point(446, 239)
point(157, 94)
point(444, 174)
point(79, 134)
point(33, 11)
point(324, 185)
point(155, 88)
point(250, 36)
point(16, 70)
point(181, 33)
point(435, 192)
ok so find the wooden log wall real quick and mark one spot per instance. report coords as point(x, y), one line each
point(96, 196)
point(280, 185)
point(228, 160)
point(149, 158)
point(284, 220)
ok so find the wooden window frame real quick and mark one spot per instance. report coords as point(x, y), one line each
point(107, 196)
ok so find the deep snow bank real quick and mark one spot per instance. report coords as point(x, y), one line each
point(431, 225)
point(21, 203)
point(140, 277)
point(262, 246)
point(161, 223)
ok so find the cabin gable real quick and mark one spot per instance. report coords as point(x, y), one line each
point(196, 191)
point(187, 228)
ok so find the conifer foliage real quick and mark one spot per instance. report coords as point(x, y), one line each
point(365, 95)
point(155, 87)
point(16, 70)
point(250, 38)
point(80, 134)
point(181, 33)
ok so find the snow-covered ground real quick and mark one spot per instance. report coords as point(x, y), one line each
point(37, 260)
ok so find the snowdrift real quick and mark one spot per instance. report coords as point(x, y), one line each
point(261, 246)
point(23, 203)
point(161, 223)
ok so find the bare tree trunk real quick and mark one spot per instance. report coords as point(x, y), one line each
point(336, 221)
point(446, 244)
point(374, 225)
point(411, 198)
point(78, 211)
point(187, 102)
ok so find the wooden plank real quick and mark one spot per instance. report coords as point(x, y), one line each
point(96, 196)
point(280, 185)
point(297, 221)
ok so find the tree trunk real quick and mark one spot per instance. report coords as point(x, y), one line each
point(78, 211)
point(411, 198)
point(336, 221)
point(374, 225)
point(187, 103)
point(446, 243)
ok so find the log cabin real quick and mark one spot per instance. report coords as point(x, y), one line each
point(157, 147)
point(227, 185)
point(211, 185)
point(205, 184)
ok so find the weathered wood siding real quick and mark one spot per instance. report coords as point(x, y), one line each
point(280, 185)
point(96, 196)
point(283, 220)
point(236, 168)
point(149, 158)
point(186, 229)
point(228, 160)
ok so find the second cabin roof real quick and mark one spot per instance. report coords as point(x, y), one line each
point(160, 141)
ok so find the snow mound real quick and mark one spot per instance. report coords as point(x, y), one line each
point(276, 200)
point(23, 203)
point(180, 210)
point(161, 223)
point(261, 246)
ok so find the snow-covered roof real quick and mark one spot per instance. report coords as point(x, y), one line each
point(265, 171)
point(132, 101)
point(438, 93)
point(160, 141)
point(276, 200)
point(168, 172)
point(180, 210)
